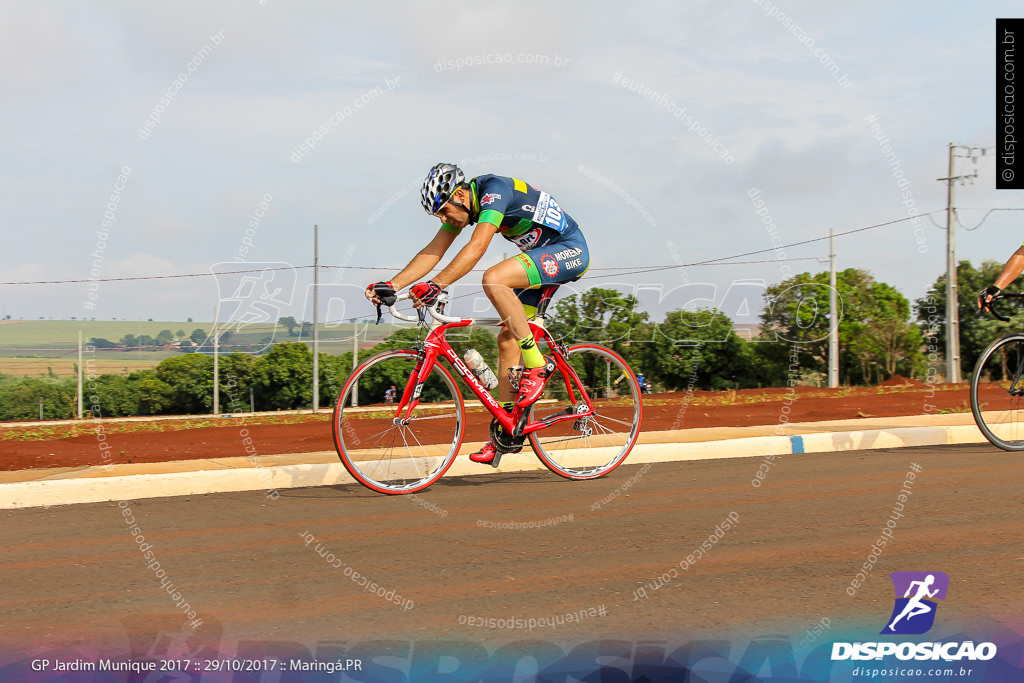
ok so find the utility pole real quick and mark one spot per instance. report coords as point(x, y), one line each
point(952, 291)
point(316, 302)
point(81, 403)
point(216, 356)
point(833, 333)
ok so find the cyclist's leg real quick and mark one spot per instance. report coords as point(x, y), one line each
point(509, 353)
point(501, 283)
point(514, 285)
point(509, 356)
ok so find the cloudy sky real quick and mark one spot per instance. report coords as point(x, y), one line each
point(140, 139)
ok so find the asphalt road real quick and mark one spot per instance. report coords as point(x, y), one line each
point(458, 561)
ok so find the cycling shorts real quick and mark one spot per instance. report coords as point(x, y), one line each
point(553, 264)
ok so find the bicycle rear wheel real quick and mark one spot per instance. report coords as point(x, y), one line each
point(997, 393)
point(388, 454)
point(593, 445)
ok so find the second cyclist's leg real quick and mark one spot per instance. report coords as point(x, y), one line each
point(509, 356)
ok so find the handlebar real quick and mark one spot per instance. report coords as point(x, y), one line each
point(432, 310)
point(1003, 295)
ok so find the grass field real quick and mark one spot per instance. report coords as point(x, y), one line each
point(34, 347)
point(66, 367)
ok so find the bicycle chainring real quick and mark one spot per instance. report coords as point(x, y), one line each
point(503, 441)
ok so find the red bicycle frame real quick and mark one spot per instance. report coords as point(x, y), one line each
point(436, 345)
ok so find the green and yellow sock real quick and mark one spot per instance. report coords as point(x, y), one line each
point(532, 357)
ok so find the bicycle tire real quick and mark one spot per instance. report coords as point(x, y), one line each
point(997, 393)
point(383, 454)
point(592, 446)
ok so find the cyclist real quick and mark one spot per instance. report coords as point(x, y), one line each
point(1013, 268)
point(553, 252)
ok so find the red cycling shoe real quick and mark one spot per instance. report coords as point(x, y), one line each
point(531, 386)
point(485, 454)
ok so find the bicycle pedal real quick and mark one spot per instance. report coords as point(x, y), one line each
point(497, 460)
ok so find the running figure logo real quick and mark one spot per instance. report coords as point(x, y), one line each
point(914, 611)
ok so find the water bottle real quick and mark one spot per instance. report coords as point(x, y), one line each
point(475, 362)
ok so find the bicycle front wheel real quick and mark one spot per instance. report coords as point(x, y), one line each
point(590, 446)
point(394, 454)
point(997, 393)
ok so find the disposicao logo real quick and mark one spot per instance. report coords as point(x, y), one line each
point(913, 614)
point(914, 611)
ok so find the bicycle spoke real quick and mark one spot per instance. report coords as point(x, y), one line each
point(591, 445)
point(995, 396)
point(446, 416)
point(612, 419)
point(392, 455)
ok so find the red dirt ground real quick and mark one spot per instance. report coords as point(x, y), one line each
point(896, 397)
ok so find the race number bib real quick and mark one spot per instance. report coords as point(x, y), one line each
point(549, 213)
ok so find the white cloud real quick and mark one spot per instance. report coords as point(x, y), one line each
point(81, 81)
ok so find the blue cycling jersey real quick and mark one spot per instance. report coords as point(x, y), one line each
point(553, 248)
point(525, 216)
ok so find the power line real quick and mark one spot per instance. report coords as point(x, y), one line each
point(988, 213)
point(151, 277)
point(763, 251)
point(618, 270)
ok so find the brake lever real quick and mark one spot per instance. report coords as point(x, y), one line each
point(385, 301)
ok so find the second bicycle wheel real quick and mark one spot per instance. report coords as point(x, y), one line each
point(997, 393)
point(387, 452)
point(593, 445)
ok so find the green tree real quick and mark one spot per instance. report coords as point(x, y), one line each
point(976, 331)
point(290, 323)
point(130, 341)
point(101, 343)
point(602, 316)
point(153, 395)
point(876, 337)
point(117, 395)
point(334, 371)
point(235, 377)
point(889, 342)
point(284, 377)
point(198, 335)
point(20, 400)
point(164, 337)
point(699, 348)
point(190, 378)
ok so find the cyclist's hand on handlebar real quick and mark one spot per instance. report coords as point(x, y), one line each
point(986, 296)
point(425, 293)
point(381, 293)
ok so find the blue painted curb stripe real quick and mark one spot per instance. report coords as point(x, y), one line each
point(798, 443)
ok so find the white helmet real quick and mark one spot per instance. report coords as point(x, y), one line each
point(439, 185)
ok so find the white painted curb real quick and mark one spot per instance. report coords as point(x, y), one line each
point(273, 478)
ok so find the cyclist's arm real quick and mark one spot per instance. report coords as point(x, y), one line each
point(468, 256)
point(1011, 270)
point(423, 262)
